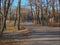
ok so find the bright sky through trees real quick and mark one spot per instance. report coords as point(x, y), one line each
point(23, 2)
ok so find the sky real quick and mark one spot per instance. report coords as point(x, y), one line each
point(23, 2)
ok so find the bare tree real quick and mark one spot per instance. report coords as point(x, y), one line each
point(38, 10)
point(15, 17)
point(0, 5)
point(59, 1)
point(53, 8)
point(30, 1)
point(7, 4)
point(36, 4)
point(19, 8)
point(47, 11)
point(0, 14)
point(42, 17)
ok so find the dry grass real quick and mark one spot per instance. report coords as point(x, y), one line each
point(12, 29)
point(24, 32)
point(22, 27)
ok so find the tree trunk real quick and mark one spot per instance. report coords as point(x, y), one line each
point(0, 5)
point(38, 18)
point(19, 3)
point(59, 4)
point(47, 12)
point(42, 17)
point(53, 10)
point(5, 15)
point(36, 13)
point(15, 18)
point(31, 11)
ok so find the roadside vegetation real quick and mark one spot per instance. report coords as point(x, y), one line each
point(39, 12)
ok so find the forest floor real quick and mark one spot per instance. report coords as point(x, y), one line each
point(38, 35)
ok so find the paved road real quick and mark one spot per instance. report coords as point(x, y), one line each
point(39, 35)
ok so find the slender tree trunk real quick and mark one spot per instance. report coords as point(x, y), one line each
point(4, 20)
point(31, 11)
point(15, 18)
point(59, 4)
point(47, 12)
point(0, 5)
point(10, 14)
point(36, 12)
point(53, 10)
point(3, 27)
point(38, 18)
point(19, 3)
point(5, 16)
point(42, 17)
point(59, 13)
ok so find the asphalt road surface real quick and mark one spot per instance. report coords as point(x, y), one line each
point(38, 35)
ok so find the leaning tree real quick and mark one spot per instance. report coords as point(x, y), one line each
point(6, 5)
